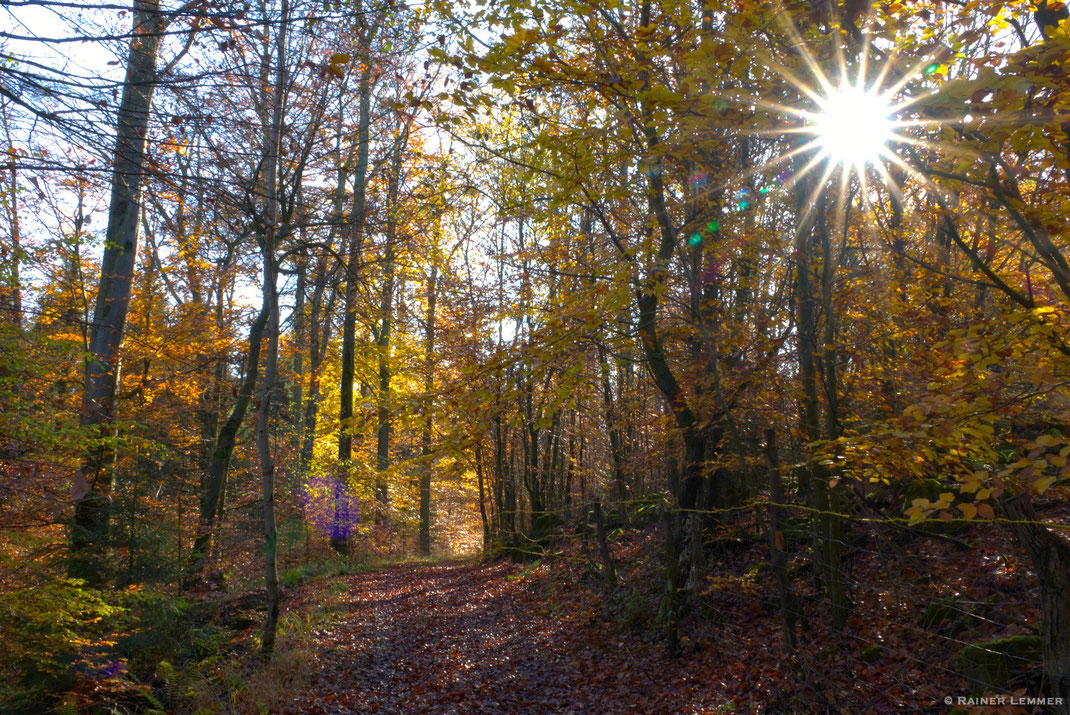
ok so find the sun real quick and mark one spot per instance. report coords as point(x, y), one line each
point(853, 126)
point(854, 114)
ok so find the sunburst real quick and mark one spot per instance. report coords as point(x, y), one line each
point(850, 116)
point(853, 126)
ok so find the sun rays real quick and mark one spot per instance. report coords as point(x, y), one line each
point(848, 118)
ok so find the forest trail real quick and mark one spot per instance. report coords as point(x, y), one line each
point(463, 637)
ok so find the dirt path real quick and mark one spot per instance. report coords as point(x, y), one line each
point(467, 638)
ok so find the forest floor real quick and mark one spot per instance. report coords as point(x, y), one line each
point(467, 637)
point(549, 637)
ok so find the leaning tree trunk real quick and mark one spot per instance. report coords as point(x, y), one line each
point(93, 484)
point(219, 460)
point(688, 532)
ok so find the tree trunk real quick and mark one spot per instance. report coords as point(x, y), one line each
point(429, 386)
point(789, 609)
point(11, 298)
point(482, 493)
point(271, 301)
point(833, 525)
point(382, 433)
point(616, 446)
point(219, 460)
point(1050, 554)
point(300, 340)
point(382, 441)
point(827, 549)
point(93, 484)
point(319, 337)
point(570, 468)
point(339, 542)
point(263, 444)
point(603, 547)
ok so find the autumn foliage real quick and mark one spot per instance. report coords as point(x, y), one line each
point(734, 337)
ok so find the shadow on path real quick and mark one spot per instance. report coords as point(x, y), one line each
point(469, 638)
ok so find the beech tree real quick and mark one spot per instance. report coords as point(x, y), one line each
point(93, 485)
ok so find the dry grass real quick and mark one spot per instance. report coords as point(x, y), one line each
point(251, 686)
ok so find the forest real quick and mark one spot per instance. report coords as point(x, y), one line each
point(603, 356)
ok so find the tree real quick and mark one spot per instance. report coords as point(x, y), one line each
point(93, 485)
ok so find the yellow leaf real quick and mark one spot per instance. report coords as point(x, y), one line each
point(969, 511)
point(1042, 485)
point(339, 58)
point(663, 95)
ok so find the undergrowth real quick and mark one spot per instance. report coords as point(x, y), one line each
point(72, 648)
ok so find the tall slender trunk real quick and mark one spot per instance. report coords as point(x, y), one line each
point(570, 468)
point(93, 484)
point(833, 525)
point(789, 608)
point(355, 228)
point(382, 441)
point(482, 493)
point(272, 228)
point(382, 433)
point(429, 386)
point(319, 336)
point(827, 551)
point(616, 445)
point(499, 474)
point(300, 340)
point(263, 446)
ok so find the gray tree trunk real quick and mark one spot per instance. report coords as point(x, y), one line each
point(271, 302)
point(93, 484)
